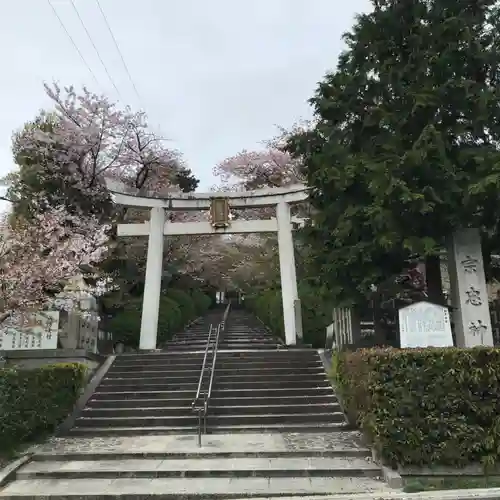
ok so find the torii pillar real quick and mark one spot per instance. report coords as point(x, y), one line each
point(152, 284)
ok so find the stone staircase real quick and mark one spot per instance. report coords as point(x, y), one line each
point(257, 387)
point(274, 426)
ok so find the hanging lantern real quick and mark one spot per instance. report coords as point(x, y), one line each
point(220, 215)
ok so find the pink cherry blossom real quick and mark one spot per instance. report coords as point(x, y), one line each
point(251, 170)
point(37, 256)
point(92, 139)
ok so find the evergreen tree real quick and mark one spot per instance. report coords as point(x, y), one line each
point(404, 147)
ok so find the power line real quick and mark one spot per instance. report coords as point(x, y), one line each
point(141, 102)
point(119, 51)
point(95, 48)
point(73, 42)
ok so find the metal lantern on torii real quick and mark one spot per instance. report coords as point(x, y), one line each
point(220, 213)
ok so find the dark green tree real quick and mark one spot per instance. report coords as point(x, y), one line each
point(404, 146)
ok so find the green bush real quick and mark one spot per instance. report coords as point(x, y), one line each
point(316, 313)
point(185, 303)
point(170, 319)
point(34, 402)
point(435, 406)
point(125, 325)
point(201, 301)
point(177, 308)
point(269, 308)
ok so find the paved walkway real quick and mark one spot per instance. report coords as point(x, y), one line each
point(173, 466)
point(341, 442)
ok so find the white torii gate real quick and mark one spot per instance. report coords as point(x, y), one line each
point(157, 227)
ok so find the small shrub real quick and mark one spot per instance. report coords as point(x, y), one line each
point(185, 303)
point(34, 402)
point(170, 319)
point(316, 313)
point(435, 406)
point(201, 301)
point(126, 324)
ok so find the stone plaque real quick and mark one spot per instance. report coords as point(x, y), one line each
point(425, 325)
point(41, 333)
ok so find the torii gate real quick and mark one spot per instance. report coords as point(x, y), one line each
point(219, 205)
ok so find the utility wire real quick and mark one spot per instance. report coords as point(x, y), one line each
point(119, 51)
point(95, 48)
point(141, 102)
point(73, 42)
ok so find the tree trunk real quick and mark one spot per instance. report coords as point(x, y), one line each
point(380, 337)
point(433, 279)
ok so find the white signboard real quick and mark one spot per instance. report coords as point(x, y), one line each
point(40, 333)
point(425, 325)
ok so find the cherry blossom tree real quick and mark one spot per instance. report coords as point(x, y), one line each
point(38, 256)
point(249, 170)
point(85, 139)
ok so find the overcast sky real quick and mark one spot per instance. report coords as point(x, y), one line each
point(214, 76)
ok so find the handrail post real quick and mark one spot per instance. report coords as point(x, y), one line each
point(199, 428)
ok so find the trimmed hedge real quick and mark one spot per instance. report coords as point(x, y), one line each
point(34, 402)
point(201, 301)
point(177, 309)
point(185, 303)
point(316, 313)
point(424, 407)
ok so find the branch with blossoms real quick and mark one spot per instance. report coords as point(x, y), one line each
point(84, 140)
point(39, 256)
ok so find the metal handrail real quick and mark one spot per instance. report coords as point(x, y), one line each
point(203, 409)
point(203, 366)
point(212, 373)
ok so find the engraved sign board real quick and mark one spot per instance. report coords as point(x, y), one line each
point(42, 333)
point(424, 324)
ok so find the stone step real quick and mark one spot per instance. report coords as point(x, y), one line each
point(270, 383)
point(207, 488)
point(230, 364)
point(143, 430)
point(214, 410)
point(117, 393)
point(140, 369)
point(272, 392)
point(195, 452)
point(201, 467)
point(138, 385)
point(142, 395)
point(127, 402)
point(276, 409)
point(277, 400)
point(155, 377)
point(189, 347)
point(138, 411)
point(163, 357)
point(248, 334)
point(186, 345)
point(232, 376)
point(141, 387)
point(297, 353)
point(221, 370)
point(191, 420)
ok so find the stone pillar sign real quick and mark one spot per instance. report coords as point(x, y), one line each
point(469, 294)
